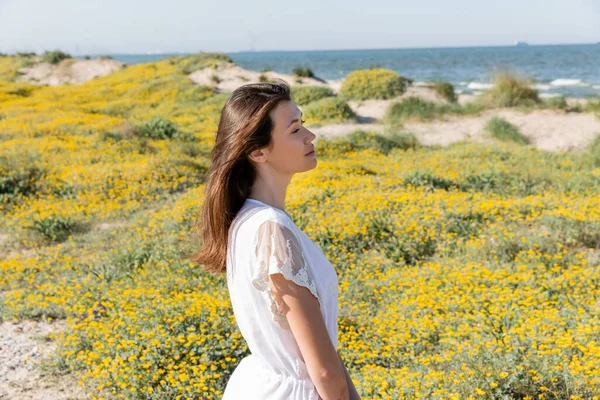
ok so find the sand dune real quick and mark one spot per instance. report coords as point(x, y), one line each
point(69, 71)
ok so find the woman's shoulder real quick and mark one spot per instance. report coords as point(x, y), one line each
point(254, 216)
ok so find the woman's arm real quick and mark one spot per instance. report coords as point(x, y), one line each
point(306, 323)
point(351, 389)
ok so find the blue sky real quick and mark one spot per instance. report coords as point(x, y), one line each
point(141, 26)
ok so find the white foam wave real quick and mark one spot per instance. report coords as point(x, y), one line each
point(566, 82)
point(419, 83)
point(480, 86)
point(541, 86)
point(549, 95)
point(597, 87)
point(458, 91)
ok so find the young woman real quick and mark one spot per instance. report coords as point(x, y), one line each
point(282, 287)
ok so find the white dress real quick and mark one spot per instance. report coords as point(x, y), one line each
point(263, 240)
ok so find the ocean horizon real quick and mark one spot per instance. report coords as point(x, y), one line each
point(559, 69)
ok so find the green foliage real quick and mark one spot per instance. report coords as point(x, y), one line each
point(263, 78)
point(594, 150)
point(159, 128)
point(510, 91)
point(446, 90)
point(19, 176)
point(362, 140)
point(593, 106)
point(415, 108)
point(328, 109)
point(303, 72)
point(190, 63)
point(377, 83)
point(559, 102)
point(428, 180)
point(303, 95)
point(503, 130)
point(54, 57)
point(56, 228)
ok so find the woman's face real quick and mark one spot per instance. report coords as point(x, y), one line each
point(291, 141)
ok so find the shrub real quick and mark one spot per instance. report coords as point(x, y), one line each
point(559, 102)
point(429, 181)
point(304, 95)
point(446, 90)
point(503, 130)
point(415, 108)
point(360, 140)
point(383, 143)
point(329, 109)
point(159, 128)
point(303, 72)
point(593, 106)
point(594, 150)
point(190, 63)
point(510, 91)
point(19, 177)
point(263, 78)
point(54, 57)
point(55, 228)
point(375, 83)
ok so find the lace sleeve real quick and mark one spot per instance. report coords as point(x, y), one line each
point(278, 251)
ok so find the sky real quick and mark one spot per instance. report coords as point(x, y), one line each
point(98, 27)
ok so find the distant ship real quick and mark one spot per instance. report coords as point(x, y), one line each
point(517, 43)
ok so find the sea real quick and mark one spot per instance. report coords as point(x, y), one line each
point(572, 70)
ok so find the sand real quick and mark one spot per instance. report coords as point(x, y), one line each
point(226, 77)
point(22, 347)
point(68, 71)
point(550, 130)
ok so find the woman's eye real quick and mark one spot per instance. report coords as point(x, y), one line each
point(303, 121)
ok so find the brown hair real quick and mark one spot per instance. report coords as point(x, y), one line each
point(245, 126)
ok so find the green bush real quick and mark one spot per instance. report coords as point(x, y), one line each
point(510, 91)
point(19, 176)
point(361, 140)
point(377, 83)
point(304, 95)
point(54, 57)
point(303, 72)
point(56, 228)
point(190, 63)
point(446, 90)
point(415, 108)
point(329, 109)
point(159, 128)
point(559, 102)
point(594, 150)
point(503, 130)
point(593, 106)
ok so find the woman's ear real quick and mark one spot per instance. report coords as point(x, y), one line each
point(258, 155)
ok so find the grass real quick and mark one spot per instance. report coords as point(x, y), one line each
point(416, 109)
point(445, 90)
point(501, 129)
point(510, 91)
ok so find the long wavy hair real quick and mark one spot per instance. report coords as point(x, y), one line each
point(245, 126)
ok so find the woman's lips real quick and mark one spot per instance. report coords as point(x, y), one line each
point(311, 153)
